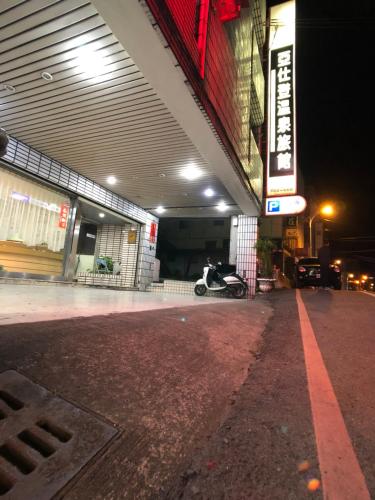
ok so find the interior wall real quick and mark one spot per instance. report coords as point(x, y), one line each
point(116, 242)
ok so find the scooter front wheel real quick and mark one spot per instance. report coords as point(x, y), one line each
point(200, 290)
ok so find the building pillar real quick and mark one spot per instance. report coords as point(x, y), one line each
point(71, 240)
point(233, 240)
point(246, 260)
point(147, 251)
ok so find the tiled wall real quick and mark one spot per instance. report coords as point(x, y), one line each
point(112, 241)
point(109, 241)
point(137, 259)
point(147, 251)
point(173, 286)
point(246, 253)
point(181, 288)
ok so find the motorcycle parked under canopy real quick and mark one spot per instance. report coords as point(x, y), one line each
point(215, 281)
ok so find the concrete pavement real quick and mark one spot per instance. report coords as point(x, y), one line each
point(30, 303)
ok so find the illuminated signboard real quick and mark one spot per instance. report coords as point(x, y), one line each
point(281, 164)
point(285, 205)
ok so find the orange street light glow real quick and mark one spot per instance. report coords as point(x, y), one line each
point(327, 210)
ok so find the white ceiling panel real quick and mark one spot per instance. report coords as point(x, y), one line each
point(100, 121)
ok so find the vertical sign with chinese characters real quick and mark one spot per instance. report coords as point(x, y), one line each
point(153, 230)
point(63, 215)
point(281, 165)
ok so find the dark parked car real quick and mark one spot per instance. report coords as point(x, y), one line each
point(370, 284)
point(307, 273)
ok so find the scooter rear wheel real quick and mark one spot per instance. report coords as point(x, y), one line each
point(200, 290)
point(239, 292)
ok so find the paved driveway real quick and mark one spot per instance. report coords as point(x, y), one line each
point(28, 303)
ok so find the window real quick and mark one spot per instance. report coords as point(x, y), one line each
point(197, 18)
point(33, 221)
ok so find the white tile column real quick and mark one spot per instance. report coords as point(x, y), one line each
point(147, 251)
point(233, 240)
point(247, 234)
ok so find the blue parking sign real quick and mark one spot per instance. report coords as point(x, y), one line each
point(273, 206)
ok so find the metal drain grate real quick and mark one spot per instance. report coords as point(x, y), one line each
point(44, 440)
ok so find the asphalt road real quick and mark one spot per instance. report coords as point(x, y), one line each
point(198, 417)
point(343, 323)
point(163, 378)
point(305, 417)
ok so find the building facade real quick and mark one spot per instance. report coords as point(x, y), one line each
point(121, 113)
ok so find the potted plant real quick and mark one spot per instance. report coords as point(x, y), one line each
point(264, 247)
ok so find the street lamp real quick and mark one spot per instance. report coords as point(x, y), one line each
point(325, 210)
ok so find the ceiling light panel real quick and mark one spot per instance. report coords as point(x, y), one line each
point(118, 123)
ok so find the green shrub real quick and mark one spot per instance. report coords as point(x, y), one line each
point(264, 247)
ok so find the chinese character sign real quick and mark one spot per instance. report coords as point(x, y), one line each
point(153, 231)
point(281, 168)
point(63, 215)
point(281, 147)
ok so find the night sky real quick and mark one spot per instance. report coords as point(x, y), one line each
point(335, 108)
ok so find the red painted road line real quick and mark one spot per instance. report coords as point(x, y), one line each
point(342, 477)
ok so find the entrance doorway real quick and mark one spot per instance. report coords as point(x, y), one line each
point(106, 247)
point(185, 244)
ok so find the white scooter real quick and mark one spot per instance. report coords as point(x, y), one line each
point(216, 282)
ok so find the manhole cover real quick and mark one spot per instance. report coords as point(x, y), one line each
point(44, 440)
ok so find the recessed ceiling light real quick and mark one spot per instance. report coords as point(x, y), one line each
point(90, 61)
point(191, 172)
point(209, 192)
point(111, 179)
point(160, 210)
point(161, 175)
point(46, 76)
point(101, 215)
point(222, 206)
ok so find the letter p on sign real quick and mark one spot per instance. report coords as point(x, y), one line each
point(273, 206)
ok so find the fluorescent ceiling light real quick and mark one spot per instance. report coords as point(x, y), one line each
point(209, 192)
point(101, 215)
point(111, 179)
point(160, 210)
point(20, 197)
point(191, 172)
point(222, 206)
point(90, 61)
